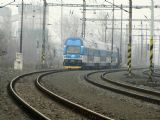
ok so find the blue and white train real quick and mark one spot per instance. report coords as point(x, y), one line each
point(85, 55)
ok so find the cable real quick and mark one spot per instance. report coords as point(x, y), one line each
point(7, 4)
point(116, 6)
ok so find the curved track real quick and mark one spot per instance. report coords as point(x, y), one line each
point(156, 73)
point(33, 113)
point(38, 115)
point(126, 89)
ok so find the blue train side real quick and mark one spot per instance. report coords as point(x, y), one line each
point(77, 55)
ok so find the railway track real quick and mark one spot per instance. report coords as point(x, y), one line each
point(122, 88)
point(156, 73)
point(35, 113)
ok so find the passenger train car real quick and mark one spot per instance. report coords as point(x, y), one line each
point(79, 54)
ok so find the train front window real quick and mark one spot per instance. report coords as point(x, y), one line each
point(73, 49)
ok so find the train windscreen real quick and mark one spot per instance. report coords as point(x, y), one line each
point(73, 49)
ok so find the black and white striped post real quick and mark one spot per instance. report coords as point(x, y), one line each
point(151, 67)
point(129, 59)
point(130, 39)
point(151, 57)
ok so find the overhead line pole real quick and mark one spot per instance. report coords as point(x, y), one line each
point(112, 35)
point(43, 57)
point(105, 33)
point(21, 34)
point(159, 53)
point(130, 38)
point(121, 32)
point(126, 44)
point(141, 42)
point(84, 20)
point(18, 64)
point(146, 46)
point(106, 29)
point(61, 24)
point(151, 40)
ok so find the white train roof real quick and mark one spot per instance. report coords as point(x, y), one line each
point(98, 45)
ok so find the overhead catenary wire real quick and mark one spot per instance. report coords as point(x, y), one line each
point(7, 4)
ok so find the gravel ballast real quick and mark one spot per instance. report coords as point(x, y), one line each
point(8, 109)
point(27, 90)
point(138, 79)
point(72, 86)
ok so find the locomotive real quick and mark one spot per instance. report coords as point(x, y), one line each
point(79, 54)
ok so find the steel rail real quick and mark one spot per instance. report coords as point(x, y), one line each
point(130, 94)
point(78, 108)
point(154, 74)
point(156, 93)
point(34, 113)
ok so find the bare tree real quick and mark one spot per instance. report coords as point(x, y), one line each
point(71, 26)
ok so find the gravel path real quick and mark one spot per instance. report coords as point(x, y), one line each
point(71, 85)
